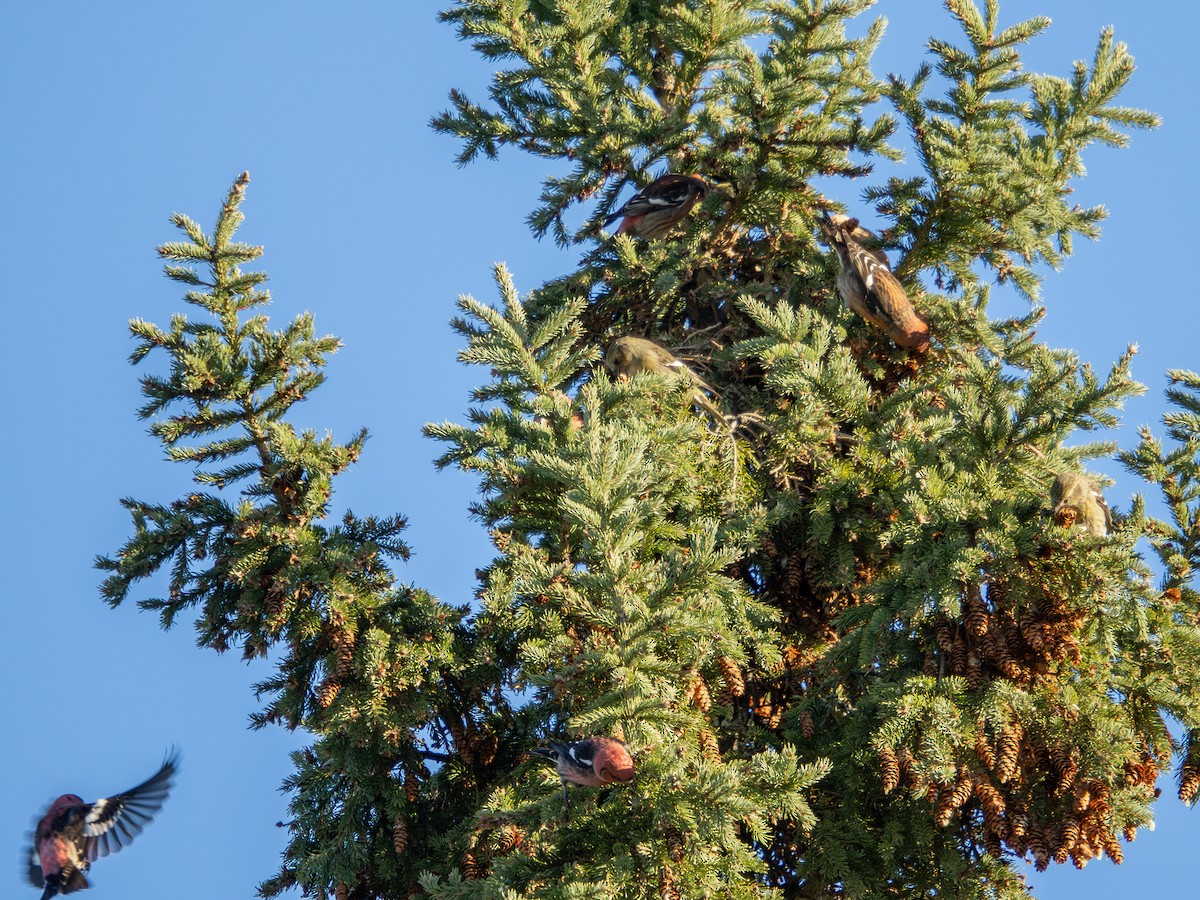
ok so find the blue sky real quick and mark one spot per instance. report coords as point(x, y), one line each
point(118, 114)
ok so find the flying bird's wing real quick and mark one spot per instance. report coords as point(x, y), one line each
point(112, 822)
point(31, 863)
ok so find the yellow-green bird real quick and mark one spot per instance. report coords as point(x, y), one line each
point(1078, 502)
point(628, 356)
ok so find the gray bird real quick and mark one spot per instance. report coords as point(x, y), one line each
point(867, 286)
point(1078, 502)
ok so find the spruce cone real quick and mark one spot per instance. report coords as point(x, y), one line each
point(733, 676)
point(794, 577)
point(962, 788)
point(509, 839)
point(708, 746)
point(667, 888)
point(974, 670)
point(945, 637)
point(1189, 782)
point(975, 617)
point(674, 840)
point(341, 892)
point(701, 697)
point(328, 691)
point(399, 834)
point(344, 648)
point(411, 789)
point(889, 768)
point(1112, 848)
point(1039, 848)
point(958, 657)
point(993, 844)
point(1070, 832)
point(808, 727)
point(983, 749)
point(993, 808)
point(470, 867)
point(1006, 756)
point(945, 808)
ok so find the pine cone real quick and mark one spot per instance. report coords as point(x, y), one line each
point(993, 844)
point(708, 746)
point(944, 635)
point(667, 888)
point(808, 727)
point(993, 808)
point(341, 891)
point(958, 657)
point(411, 789)
point(975, 617)
point(974, 670)
point(1112, 848)
point(1189, 781)
point(399, 834)
point(889, 768)
point(509, 839)
point(983, 748)
point(794, 576)
point(674, 841)
point(1070, 831)
point(1007, 749)
point(328, 690)
point(471, 869)
point(962, 788)
point(1040, 849)
point(701, 697)
point(344, 648)
point(733, 676)
point(945, 808)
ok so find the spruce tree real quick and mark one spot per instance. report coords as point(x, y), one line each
point(850, 648)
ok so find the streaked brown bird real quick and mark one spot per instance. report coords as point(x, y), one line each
point(628, 356)
point(867, 286)
point(72, 834)
point(659, 206)
point(1078, 503)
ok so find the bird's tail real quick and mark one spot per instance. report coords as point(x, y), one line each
point(68, 882)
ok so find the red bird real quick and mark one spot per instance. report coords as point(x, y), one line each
point(656, 208)
point(592, 762)
point(72, 834)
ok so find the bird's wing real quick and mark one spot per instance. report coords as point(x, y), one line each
point(869, 268)
point(31, 863)
point(112, 822)
point(579, 754)
point(662, 194)
point(1108, 520)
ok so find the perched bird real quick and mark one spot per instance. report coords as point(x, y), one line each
point(867, 285)
point(592, 762)
point(1078, 502)
point(656, 208)
point(628, 356)
point(73, 834)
